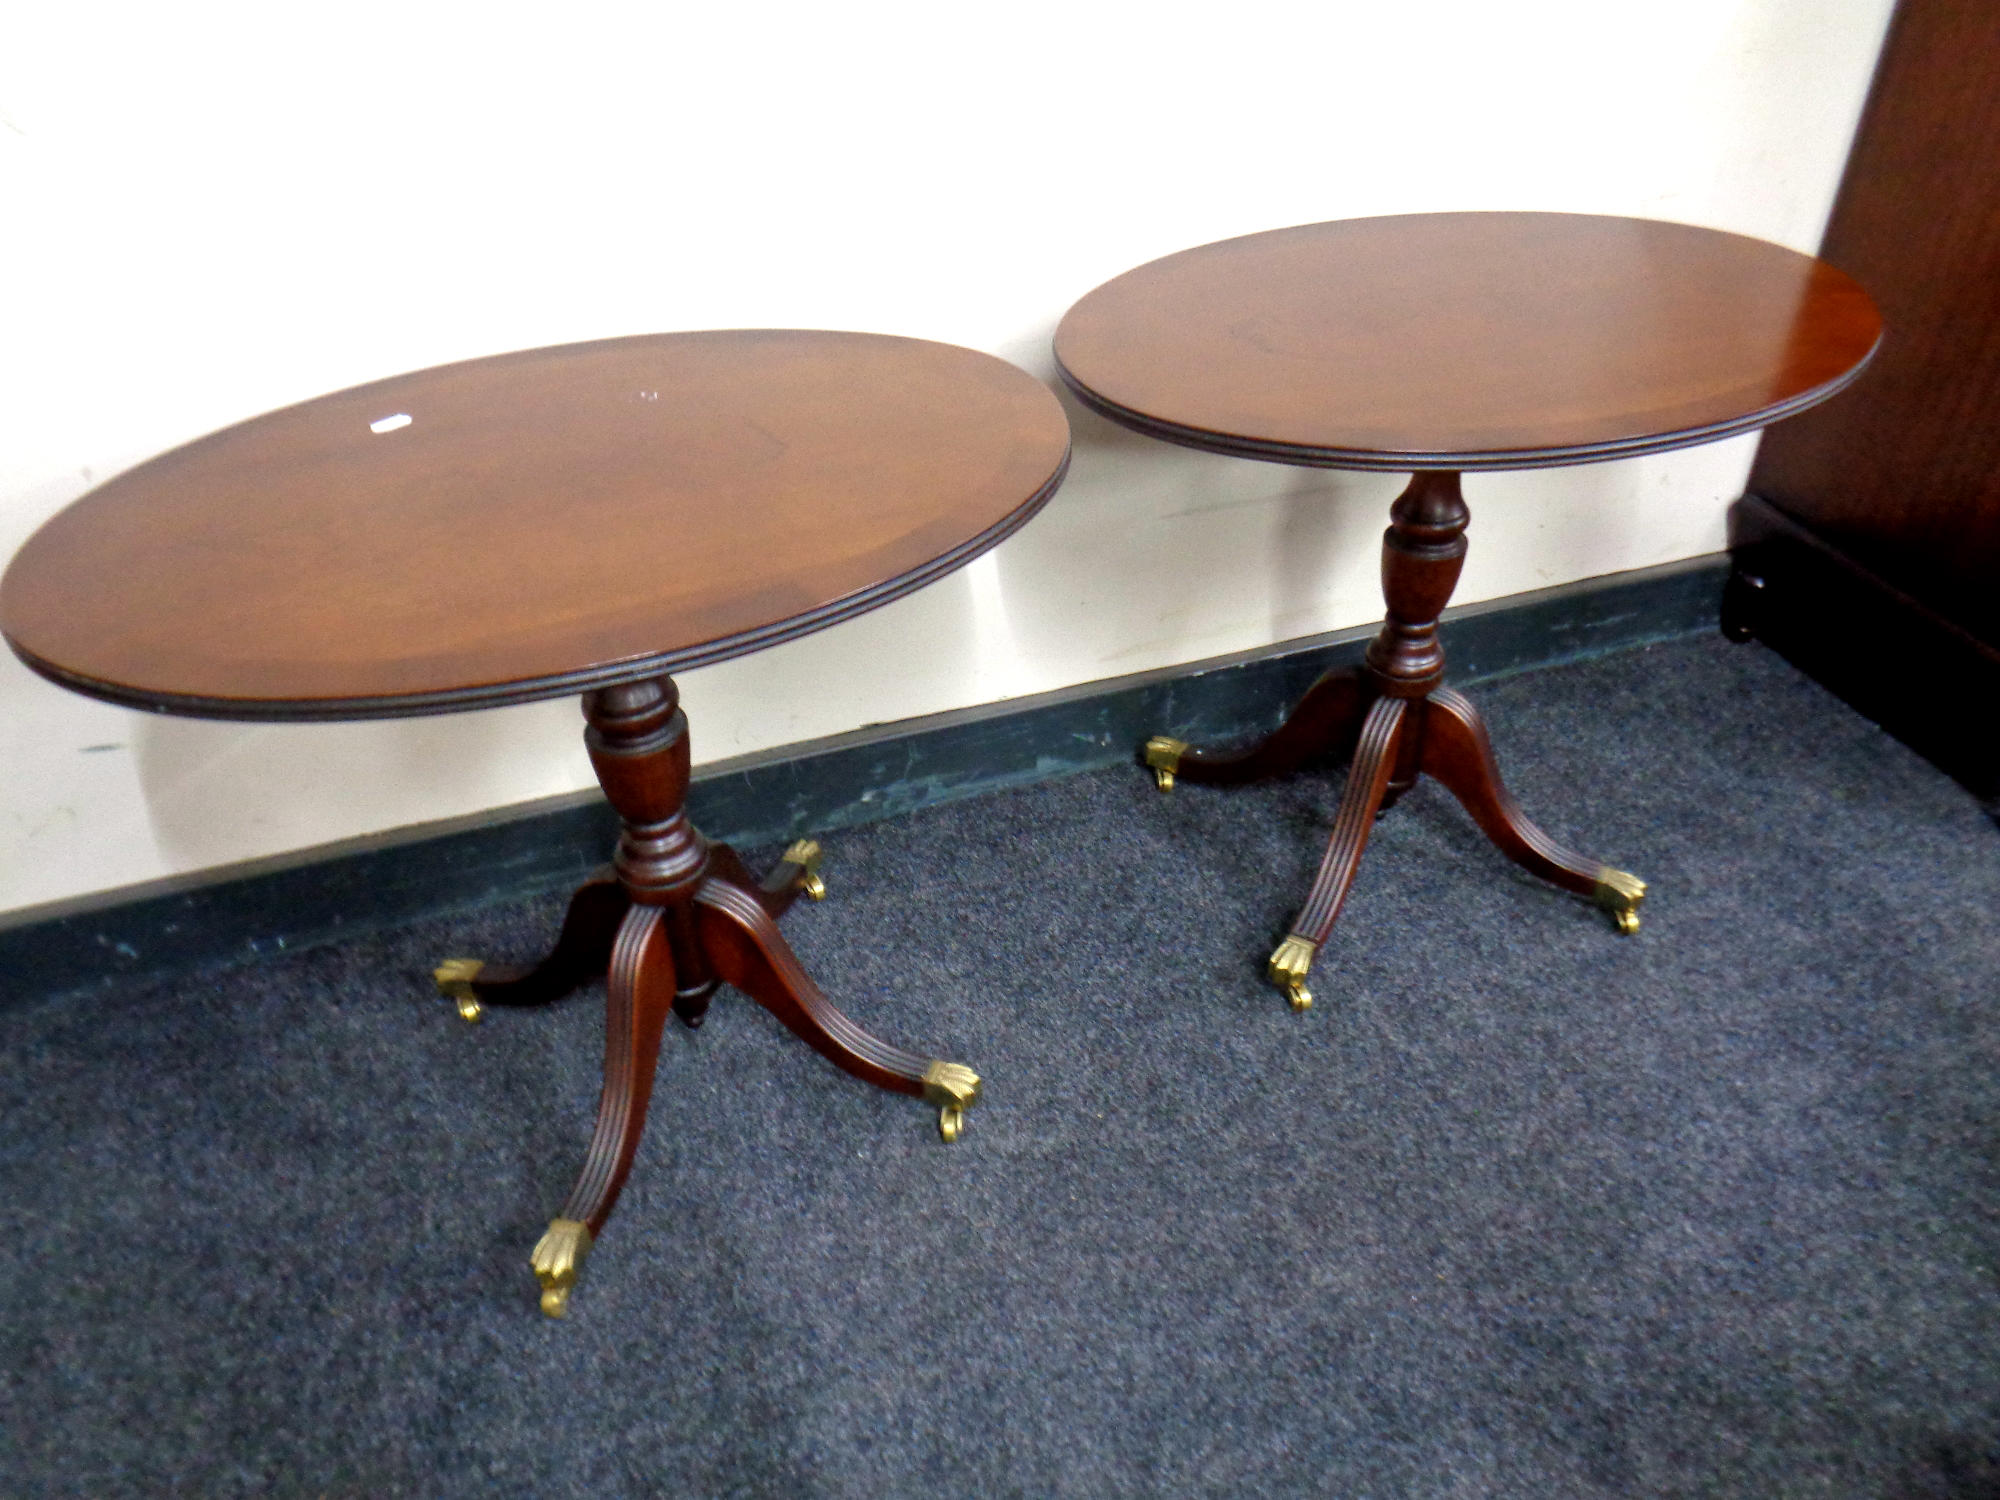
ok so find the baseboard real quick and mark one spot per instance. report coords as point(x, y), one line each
point(1926, 680)
point(340, 890)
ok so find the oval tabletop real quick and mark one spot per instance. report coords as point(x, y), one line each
point(541, 522)
point(1466, 340)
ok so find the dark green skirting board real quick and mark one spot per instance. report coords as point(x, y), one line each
point(319, 895)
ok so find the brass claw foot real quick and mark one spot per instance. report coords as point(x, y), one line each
point(1287, 970)
point(454, 981)
point(805, 854)
point(953, 1088)
point(1164, 756)
point(558, 1257)
point(1620, 894)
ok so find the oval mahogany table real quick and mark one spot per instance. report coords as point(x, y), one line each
point(1434, 344)
point(589, 518)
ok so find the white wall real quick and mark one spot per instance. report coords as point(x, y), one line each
point(211, 210)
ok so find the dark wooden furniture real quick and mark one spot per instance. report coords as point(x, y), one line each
point(1868, 547)
point(587, 519)
point(1437, 344)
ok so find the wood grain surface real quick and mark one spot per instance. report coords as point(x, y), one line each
point(536, 523)
point(1904, 479)
point(1466, 341)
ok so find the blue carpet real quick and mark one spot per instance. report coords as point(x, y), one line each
point(1520, 1207)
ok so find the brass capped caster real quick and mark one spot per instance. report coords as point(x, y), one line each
point(1287, 970)
point(1620, 894)
point(953, 1088)
point(1164, 756)
point(454, 981)
point(805, 854)
point(558, 1257)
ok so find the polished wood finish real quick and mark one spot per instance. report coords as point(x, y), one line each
point(544, 522)
point(1422, 553)
point(639, 995)
point(1466, 341)
point(1435, 344)
point(750, 954)
point(1877, 573)
point(1393, 720)
point(1905, 478)
point(1458, 753)
point(582, 951)
point(686, 917)
point(1324, 723)
point(579, 518)
point(1374, 759)
point(1396, 740)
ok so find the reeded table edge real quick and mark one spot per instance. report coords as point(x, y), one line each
point(1388, 460)
point(561, 684)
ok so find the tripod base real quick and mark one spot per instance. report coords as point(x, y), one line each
point(675, 919)
point(1394, 721)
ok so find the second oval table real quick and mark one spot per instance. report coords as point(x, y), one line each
point(1435, 344)
point(588, 518)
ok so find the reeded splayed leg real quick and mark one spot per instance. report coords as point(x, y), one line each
point(1458, 752)
point(687, 917)
point(1323, 725)
point(1410, 724)
point(639, 995)
point(637, 739)
point(582, 953)
point(1367, 780)
point(1422, 552)
point(795, 874)
point(749, 952)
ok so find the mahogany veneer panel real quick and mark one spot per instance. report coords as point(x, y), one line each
point(1466, 341)
point(1904, 478)
point(543, 522)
